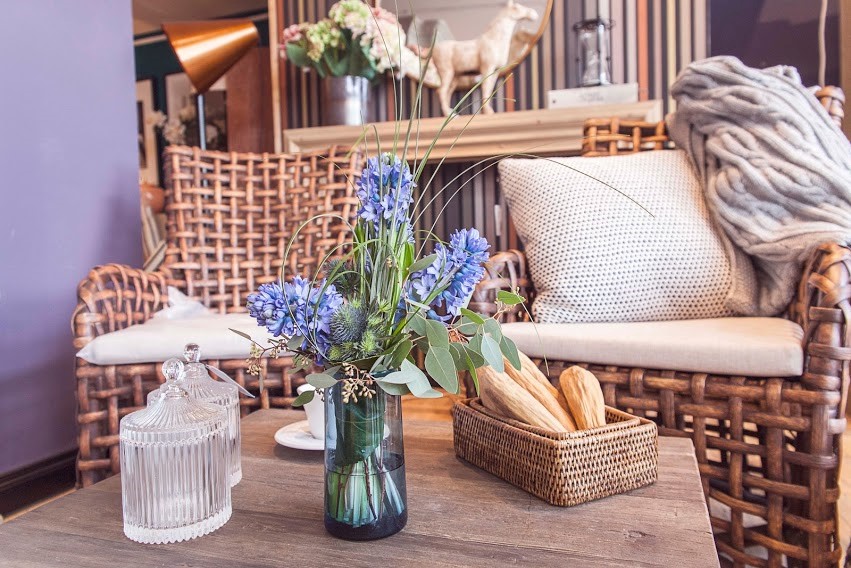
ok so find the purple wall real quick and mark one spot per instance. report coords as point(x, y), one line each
point(70, 200)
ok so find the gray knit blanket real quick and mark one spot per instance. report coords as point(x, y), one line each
point(776, 172)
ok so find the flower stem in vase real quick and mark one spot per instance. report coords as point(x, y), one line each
point(365, 494)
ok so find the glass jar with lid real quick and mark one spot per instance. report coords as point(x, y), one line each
point(175, 466)
point(200, 386)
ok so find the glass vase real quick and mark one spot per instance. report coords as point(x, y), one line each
point(365, 494)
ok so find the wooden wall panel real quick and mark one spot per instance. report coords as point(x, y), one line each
point(652, 40)
point(249, 105)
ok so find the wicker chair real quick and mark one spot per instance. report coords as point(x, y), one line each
point(768, 448)
point(229, 218)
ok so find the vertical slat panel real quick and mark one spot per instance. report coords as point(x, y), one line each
point(534, 77)
point(631, 40)
point(685, 28)
point(573, 14)
point(670, 51)
point(547, 71)
point(699, 38)
point(560, 41)
point(643, 50)
point(658, 57)
point(618, 41)
point(645, 32)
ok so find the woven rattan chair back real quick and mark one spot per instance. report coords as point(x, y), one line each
point(230, 217)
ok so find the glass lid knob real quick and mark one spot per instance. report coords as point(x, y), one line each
point(192, 353)
point(173, 371)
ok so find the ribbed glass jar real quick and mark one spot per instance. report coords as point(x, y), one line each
point(175, 466)
point(365, 491)
point(200, 386)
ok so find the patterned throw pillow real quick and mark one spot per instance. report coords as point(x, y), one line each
point(646, 250)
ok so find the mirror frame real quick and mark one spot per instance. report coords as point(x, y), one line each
point(545, 21)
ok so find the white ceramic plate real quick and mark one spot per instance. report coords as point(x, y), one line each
point(297, 435)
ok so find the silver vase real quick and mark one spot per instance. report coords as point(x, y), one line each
point(346, 100)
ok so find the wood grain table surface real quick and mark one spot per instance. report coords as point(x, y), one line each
point(458, 516)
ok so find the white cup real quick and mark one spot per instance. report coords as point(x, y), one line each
point(315, 410)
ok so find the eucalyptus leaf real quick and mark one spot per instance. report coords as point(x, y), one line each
point(437, 334)
point(475, 356)
point(472, 316)
point(429, 393)
point(492, 353)
point(457, 351)
point(400, 353)
point(509, 350)
point(332, 370)
point(492, 327)
point(509, 298)
point(475, 346)
point(391, 388)
point(441, 367)
point(471, 367)
point(420, 387)
point(417, 324)
point(295, 342)
point(422, 263)
point(304, 398)
point(241, 333)
point(321, 380)
point(401, 377)
point(468, 327)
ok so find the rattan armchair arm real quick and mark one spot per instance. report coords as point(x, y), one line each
point(506, 270)
point(114, 296)
point(822, 307)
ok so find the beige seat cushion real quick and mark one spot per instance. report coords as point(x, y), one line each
point(163, 337)
point(756, 347)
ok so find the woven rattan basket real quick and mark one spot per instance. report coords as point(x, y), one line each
point(563, 469)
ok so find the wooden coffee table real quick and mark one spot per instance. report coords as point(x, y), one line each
point(459, 516)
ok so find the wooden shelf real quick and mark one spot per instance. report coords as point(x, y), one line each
point(539, 132)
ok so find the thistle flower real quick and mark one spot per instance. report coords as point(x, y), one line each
point(348, 323)
point(297, 308)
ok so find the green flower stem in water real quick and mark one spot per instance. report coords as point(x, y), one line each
point(360, 489)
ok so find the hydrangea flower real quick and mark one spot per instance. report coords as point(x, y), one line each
point(293, 33)
point(457, 270)
point(352, 14)
point(320, 36)
point(385, 190)
point(297, 308)
point(386, 44)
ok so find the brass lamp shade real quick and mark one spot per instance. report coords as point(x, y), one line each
point(206, 50)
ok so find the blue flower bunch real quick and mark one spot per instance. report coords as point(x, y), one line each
point(455, 273)
point(381, 298)
point(385, 190)
point(297, 309)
